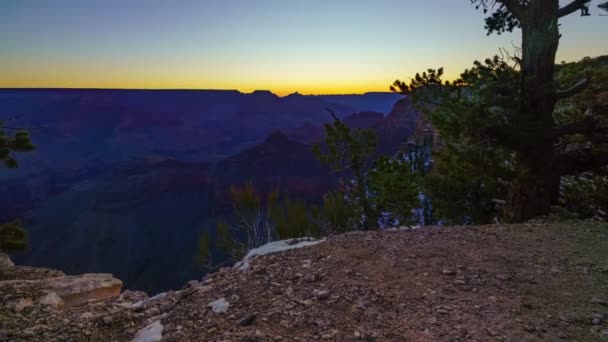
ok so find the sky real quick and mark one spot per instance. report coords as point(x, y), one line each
point(309, 46)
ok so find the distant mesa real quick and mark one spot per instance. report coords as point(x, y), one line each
point(295, 94)
point(264, 93)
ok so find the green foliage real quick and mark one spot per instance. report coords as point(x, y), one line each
point(394, 188)
point(468, 181)
point(586, 195)
point(346, 149)
point(574, 108)
point(203, 255)
point(13, 237)
point(9, 143)
point(293, 219)
point(465, 188)
point(255, 222)
point(350, 151)
point(336, 215)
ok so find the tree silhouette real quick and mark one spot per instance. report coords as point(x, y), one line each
point(516, 104)
point(13, 140)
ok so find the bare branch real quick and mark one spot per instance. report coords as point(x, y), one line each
point(575, 89)
point(572, 7)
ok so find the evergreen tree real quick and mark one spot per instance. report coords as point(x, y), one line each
point(336, 215)
point(19, 141)
point(350, 151)
point(510, 108)
point(394, 190)
point(13, 236)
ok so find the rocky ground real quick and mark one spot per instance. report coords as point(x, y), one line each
point(490, 283)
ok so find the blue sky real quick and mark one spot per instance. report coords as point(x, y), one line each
point(312, 46)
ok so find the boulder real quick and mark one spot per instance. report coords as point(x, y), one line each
point(52, 299)
point(5, 261)
point(75, 290)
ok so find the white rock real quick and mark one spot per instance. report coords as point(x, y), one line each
point(219, 305)
point(52, 299)
point(132, 306)
point(273, 247)
point(159, 296)
point(151, 333)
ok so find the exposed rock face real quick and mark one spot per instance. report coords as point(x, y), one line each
point(402, 115)
point(71, 290)
point(75, 290)
point(46, 305)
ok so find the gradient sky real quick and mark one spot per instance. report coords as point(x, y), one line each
point(310, 46)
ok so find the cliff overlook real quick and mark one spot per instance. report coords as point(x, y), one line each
point(534, 281)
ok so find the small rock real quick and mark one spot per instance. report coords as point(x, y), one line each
point(151, 312)
point(310, 278)
point(448, 271)
point(23, 303)
point(52, 299)
point(86, 316)
point(247, 320)
point(596, 321)
point(493, 299)
point(192, 283)
point(321, 294)
point(219, 305)
point(491, 332)
point(442, 311)
point(107, 320)
point(554, 269)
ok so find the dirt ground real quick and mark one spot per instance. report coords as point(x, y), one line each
point(488, 283)
point(530, 282)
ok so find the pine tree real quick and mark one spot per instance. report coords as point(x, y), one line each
point(19, 141)
point(13, 236)
point(350, 151)
point(511, 107)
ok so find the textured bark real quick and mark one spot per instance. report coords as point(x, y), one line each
point(534, 190)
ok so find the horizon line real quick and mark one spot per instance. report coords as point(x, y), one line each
point(200, 89)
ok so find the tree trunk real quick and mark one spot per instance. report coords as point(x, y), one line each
point(533, 191)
